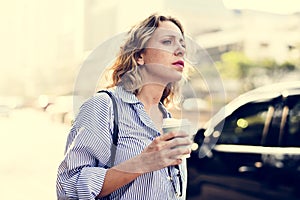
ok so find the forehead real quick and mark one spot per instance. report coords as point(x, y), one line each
point(167, 28)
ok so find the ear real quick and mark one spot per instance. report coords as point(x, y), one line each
point(140, 59)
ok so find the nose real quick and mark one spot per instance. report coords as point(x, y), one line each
point(180, 50)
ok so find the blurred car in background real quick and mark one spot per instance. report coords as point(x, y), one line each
point(5, 110)
point(250, 149)
point(9, 103)
point(61, 109)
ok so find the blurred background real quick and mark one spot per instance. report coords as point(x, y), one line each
point(44, 43)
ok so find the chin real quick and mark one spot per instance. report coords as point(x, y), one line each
point(177, 76)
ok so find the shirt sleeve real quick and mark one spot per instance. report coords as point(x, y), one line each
point(81, 174)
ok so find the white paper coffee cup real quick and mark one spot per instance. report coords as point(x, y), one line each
point(172, 124)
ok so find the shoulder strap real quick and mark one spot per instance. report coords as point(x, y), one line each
point(115, 135)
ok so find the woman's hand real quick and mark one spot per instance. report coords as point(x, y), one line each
point(161, 153)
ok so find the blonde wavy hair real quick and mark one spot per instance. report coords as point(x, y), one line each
point(125, 69)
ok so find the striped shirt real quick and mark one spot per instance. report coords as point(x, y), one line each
point(82, 172)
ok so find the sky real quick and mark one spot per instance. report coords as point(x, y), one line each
point(273, 6)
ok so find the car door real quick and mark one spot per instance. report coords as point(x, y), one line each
point(244, 157)
point(239, 145)
point(283, 164)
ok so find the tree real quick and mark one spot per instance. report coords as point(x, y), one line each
point(252, 73)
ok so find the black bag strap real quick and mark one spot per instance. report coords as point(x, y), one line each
point(115, 135)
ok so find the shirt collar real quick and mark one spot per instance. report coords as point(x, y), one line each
point(129, 97)
point(126, 96)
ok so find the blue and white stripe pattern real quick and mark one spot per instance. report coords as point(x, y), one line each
point(81, 174)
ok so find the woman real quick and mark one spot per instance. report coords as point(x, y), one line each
point(145, 77)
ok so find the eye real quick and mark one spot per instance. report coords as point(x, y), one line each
point(167, 42)
point(182, 43)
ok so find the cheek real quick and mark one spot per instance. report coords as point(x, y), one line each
point(158, 57)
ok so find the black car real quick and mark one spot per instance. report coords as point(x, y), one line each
point(251, 148)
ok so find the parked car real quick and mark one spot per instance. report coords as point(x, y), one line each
point(251, 148)
point(9, 103)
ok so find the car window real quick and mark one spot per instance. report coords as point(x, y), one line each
point(245, 125)
point(292, 135)
point(272, 135)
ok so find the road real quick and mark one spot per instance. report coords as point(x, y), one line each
point(31, 146)
point(31, 149)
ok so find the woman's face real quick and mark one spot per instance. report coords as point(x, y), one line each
point(163, 56)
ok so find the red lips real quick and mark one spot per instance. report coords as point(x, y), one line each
point(179, 63)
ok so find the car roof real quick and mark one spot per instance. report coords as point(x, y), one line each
point(263, 93)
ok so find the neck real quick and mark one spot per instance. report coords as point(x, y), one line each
point(150, 95)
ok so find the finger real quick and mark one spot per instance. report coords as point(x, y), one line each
point(177, 161)
point(178, 152)
point(178, 142)
point(173, 134)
